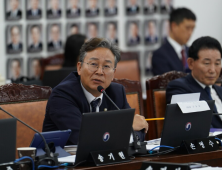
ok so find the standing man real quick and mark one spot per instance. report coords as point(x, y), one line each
point(78, 94)
point(172, 54)
point(205, 64)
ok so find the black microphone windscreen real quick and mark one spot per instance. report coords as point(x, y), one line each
point(100, 89)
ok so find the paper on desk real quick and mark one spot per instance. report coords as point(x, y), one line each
point(208, 168)
point(67, 159)
point(185, 98)
point(149, 147)
point(189, 107)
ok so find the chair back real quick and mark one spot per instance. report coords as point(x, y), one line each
point(156, 99)
point(28, 103)
point(133, 94)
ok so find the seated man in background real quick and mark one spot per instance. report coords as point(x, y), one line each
point(205, 64)
point(173, 53)
point(78, 93)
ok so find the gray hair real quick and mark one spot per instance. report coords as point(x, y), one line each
point(95, 43)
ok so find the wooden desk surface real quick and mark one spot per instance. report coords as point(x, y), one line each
point(210, 158)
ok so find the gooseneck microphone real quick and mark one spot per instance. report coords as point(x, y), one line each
point(136, 143)
point(49, 158)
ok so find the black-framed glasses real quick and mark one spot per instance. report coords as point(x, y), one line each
point(94, 67)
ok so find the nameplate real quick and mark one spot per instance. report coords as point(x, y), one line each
point(110, 157)
point(164, 166)
point(201, 145)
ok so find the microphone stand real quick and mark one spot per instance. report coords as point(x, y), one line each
point(138, 147)
point(50, 159)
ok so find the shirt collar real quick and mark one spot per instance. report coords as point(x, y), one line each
point(90, 97)
point(201, 84)
point(177, 47)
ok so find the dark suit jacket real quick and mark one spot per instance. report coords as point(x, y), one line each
point(150, 11)
point(67, 103)
point(165, 9)
point(165, 59)
point(39, 13)
point(11, 49)
point(107, 13)
point(134, 42)
point(149, 40)
point(51, 14)
point(129, 10)
point(51, 45)
point(19, 14)
point(33, 48)
point(189, 85)
point(90, 13)
point(70, 14)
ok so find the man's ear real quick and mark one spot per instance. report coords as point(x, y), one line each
point(190, 62)
point(79, 67)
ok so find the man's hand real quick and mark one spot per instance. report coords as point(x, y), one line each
point(140, 123)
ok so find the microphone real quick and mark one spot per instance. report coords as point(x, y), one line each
point(138, 148)
point(50, 159)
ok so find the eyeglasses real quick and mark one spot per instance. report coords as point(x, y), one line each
point(94, 67)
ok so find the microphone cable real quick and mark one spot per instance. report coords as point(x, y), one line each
point(163, 152)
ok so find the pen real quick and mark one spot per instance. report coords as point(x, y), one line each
point(161, 118)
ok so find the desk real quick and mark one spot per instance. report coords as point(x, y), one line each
point(210, 158)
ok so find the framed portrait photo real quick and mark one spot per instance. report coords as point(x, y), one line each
point(33, 9)
point(73, 8)
point(151, 32)
point(111, 31)
point(53, 8)
point(73, 28)
point(133, 38)
point(13, 9)
point(14, 68)
point(110, 8)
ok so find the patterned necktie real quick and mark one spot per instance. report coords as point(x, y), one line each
point(183, 58)
point(94, 104)
point(207, 89)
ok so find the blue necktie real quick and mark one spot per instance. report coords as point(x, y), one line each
point(207, 89)
point(94, 104)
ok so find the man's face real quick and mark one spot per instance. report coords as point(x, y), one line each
point(74, 30)
point(15, 35)
point(92, 3)
point(91, 80)
point(183, 31)
point(74, 3)
point(133, 30)
point(34, 4)
point(14, 4)
point(92, 30)
point(55, 4)
point(207, 68)
point(111, 3)
point(15, 67)
point(35, 34)
point(111, 31)
point(133, 2)
point(151, 28)
point(36, 68)
point(55, 33)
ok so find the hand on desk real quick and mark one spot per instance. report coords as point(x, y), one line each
point(140, 123)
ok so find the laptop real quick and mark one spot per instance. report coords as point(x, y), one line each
point(179, 126)
point(7, 140)
point(95, 126)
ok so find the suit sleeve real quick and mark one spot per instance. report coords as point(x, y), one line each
point(66, 115)
point(159, 63)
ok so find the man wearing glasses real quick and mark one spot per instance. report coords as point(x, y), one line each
point(78, 93)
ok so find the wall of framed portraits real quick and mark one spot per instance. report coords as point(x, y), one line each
point(31, 29)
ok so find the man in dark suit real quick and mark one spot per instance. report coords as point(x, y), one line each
point(150, 7)
point(15, 12)
point(134, 38)
point(35, 11)
point(55, 43)
point(111, 8)
point(93, 10)
point(36, 45)
point(166, 7)
point(173, 53)
point(15, 46)
point(205, 64)
point(133, 8)
point(54, 12)
point(74, 10)
point(78, 93)
point(112, 32)
point(152, 37)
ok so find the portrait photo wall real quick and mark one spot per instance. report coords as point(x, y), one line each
point(37, 29)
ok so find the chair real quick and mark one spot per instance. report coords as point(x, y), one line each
point(128, 67)
point(156, 100)
point(27, 103)
point(52, 63)
point(133, 94)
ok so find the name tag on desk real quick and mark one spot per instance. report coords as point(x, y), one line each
point(195, 106)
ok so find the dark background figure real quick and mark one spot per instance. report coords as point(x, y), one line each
point(111, 8)
point(55, 43)
point(150, 7)
point(134, 37)
point(71, 50)
point(15, 13)
point(54, 11)
point(173, 54)
point(15, 46)
point(35, 11)
point(166, 6)
point(93, 9)
point(151, 38)
point(132, 8)
point(73, 10)
point(35, 35)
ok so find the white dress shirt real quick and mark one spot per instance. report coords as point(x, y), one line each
point(214, 96)
point(177, 47)
point(91, 98)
